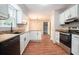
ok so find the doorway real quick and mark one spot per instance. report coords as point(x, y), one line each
point(45, 27)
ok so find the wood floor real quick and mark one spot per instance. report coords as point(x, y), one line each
point(44, 47)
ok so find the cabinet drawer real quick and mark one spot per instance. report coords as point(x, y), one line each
point(75, 36)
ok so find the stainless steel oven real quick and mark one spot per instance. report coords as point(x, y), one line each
point(65, 42)
point(65, 38)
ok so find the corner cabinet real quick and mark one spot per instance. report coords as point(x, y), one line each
point(4, 11)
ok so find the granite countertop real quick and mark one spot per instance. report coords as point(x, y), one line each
point(66, 31)
point(62, 30)
point(4, 37)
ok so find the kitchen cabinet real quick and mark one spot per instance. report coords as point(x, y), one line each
point(62, 18)
point(10, 47)
point(67, 14)
point(57, 36)
point(35, 35)
point(75, 44)
point(27, 38)
point(39, 35)
point(24, 40)
point(4, 11)
point(72, 12)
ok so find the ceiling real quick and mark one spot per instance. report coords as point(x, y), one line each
point(40, 9)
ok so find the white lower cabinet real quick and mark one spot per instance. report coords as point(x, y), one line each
point(24, 40)
point(27, 38)
point(22, 43)
point(75, 44)
point(35, 35)
point(57, 37)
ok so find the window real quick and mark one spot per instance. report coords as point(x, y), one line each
point(12, 12)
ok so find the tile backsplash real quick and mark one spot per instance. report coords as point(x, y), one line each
point(75, 24)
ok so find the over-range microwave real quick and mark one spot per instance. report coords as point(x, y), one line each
point(71, 20)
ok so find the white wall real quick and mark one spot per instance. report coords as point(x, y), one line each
point(54, 24)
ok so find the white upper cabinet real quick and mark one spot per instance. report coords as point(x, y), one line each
point(67, 14)
point(72, 12)
point(62, 18)
point(3, 11)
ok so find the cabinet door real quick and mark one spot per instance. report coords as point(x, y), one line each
point(75, 45)
point(62, 18)
point(39, 35)
point(74, 11)
point(27, 39)
point(33, 35)
point(57, 37)
point(21, 44)
point(67, 14)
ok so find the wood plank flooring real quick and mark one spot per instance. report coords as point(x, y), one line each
point(44, 47)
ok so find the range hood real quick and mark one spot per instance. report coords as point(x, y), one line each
point(71, 20)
